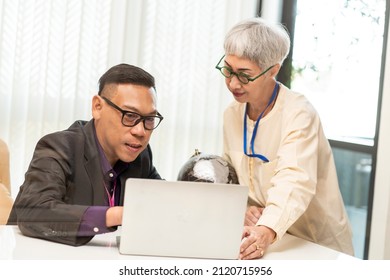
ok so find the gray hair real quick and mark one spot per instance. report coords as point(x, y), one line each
point(259, 41)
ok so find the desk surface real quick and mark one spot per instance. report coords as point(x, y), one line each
point(15, 246)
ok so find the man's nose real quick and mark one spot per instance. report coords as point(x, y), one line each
point(139, 129)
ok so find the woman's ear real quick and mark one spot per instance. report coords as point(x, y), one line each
point(275, 70)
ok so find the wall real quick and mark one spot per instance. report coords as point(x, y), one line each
point(380, 227)
point(272, 9)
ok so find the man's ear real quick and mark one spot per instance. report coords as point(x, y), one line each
point(96, 106)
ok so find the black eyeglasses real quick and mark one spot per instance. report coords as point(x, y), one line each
point(131, 119)
point(227, 72)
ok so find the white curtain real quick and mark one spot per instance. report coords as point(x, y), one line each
point(52, 54)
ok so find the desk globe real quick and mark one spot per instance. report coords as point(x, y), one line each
point(207, 168)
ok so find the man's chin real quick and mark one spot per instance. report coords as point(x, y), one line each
point(130, 156)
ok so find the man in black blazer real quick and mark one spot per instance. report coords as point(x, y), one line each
point(74, 186)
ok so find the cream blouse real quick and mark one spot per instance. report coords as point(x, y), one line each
point(298, 186)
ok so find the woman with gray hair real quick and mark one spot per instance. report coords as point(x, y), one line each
point(274, 139)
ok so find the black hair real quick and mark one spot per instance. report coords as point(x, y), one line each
point(126, 74)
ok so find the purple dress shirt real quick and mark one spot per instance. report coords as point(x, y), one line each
point(94, 218)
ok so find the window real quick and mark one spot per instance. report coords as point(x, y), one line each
point(337, 61)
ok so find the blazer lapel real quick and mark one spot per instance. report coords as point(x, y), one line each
point(92, 165)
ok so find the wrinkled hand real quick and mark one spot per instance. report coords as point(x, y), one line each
point(255, 241)
point(252, 215)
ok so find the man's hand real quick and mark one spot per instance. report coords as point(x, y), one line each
point(114, 216)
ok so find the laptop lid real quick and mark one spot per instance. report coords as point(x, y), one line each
point(183, 219)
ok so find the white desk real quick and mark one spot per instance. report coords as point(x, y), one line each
point(15, 246)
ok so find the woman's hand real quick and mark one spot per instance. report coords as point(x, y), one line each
point(252, 215)
point(255, 242)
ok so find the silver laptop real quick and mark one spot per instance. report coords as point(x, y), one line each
point(182, 219)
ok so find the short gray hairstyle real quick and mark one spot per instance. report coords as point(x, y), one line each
point(262, 42)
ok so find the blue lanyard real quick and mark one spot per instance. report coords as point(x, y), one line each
point(263, 158)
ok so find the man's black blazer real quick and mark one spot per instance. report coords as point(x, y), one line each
point(63, 179)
